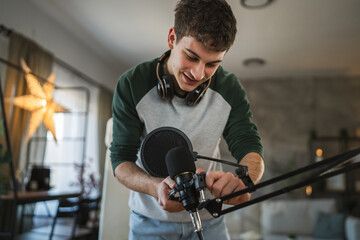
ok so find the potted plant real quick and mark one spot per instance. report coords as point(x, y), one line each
point(88, 182)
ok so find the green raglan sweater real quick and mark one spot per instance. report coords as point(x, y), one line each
point(138, 109)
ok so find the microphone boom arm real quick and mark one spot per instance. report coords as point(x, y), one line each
point(214, 206)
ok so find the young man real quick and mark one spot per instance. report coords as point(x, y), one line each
point(187, 89)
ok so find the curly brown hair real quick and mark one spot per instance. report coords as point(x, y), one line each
point(211, 22)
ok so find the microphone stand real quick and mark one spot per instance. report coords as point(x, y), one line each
point(191, 194)
point(214, 206)
point(195, 218)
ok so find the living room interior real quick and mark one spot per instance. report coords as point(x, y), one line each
point(299, 62)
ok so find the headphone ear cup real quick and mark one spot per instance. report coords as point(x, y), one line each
point(165, 88)
point(196, 95)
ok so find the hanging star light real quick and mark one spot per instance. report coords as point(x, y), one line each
point(39, 102)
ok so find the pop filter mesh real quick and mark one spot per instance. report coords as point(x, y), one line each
point(156, 145)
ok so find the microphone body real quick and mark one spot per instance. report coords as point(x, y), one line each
point(181, 168)
point(188, 195)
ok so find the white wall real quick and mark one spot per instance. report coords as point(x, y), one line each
point(26, 18)
point(114, 215)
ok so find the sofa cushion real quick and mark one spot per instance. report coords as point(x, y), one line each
point(286, 237)
point(329, 225)
point(352, 228)
point(293, 216)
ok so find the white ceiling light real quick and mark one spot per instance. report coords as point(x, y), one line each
point(254, 4)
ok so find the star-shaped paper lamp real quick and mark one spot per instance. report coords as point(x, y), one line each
point(39, 102)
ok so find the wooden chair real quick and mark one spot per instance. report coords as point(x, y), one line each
point(78, 210)
point(71, 220)
point(67, 208)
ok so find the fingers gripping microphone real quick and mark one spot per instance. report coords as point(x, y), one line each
point(181, 168)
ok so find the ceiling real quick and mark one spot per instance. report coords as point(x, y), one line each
point(294, 37)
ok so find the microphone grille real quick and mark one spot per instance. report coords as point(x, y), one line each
point(179, 160)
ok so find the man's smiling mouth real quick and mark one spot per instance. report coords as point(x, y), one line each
point(189, 80)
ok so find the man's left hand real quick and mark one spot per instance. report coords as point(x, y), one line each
point(220, 184)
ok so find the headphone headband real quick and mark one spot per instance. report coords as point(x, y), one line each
point(162, 58)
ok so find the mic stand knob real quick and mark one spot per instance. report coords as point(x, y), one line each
point(202, 196)
point(200, 185)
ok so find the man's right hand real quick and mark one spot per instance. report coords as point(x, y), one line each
point(133, 177)
point(163, 190)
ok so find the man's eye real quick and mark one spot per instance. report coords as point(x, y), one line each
point(191, 58)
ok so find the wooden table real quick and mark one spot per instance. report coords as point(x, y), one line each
point(27, 197)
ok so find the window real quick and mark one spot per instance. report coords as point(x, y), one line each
point(76, 132)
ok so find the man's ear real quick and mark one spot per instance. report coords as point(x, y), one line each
point(171, 38)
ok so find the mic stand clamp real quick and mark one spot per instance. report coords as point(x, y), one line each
point(243, 173)
point(214, 207)
point(199, 183)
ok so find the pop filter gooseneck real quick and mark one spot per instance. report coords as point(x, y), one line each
point(157, 144)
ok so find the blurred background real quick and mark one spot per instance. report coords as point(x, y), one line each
point(299, 62)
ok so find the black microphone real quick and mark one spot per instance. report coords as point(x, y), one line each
point(181, 167)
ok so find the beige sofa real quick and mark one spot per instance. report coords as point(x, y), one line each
point(283, 218)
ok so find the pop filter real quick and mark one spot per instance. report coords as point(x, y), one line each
point(157, 144)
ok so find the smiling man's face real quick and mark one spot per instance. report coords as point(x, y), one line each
point(190, 62)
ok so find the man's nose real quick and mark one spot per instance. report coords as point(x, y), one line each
point(198, 72)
